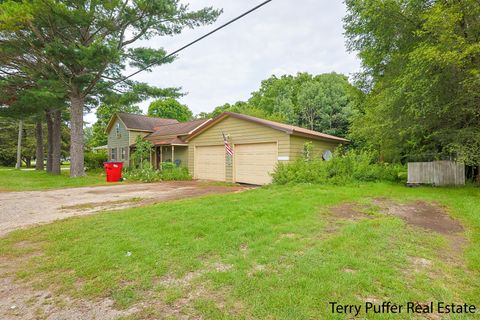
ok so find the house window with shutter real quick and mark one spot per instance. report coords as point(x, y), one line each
point(113, 154)
point(123, 154)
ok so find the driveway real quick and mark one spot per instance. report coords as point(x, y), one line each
point(24, 209)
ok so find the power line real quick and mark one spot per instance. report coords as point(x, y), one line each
point(195, 41)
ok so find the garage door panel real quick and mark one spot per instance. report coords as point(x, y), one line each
point(210, 163)
point(255, 162)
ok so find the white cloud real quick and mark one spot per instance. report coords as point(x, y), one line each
point(284, 37)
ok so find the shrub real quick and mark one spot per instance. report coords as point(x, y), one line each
point(342, 169)
point(169, 172)
point(95, 160)
point(175, 173)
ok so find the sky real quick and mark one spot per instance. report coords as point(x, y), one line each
point(283, 37)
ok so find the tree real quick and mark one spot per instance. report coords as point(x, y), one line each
point(325, 104)
point(89, 43)
point(170, 109)
point(422, 77)
point(143, 149)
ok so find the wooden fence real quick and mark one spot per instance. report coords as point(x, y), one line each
point(438, 173)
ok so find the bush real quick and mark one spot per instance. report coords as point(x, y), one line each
point(169, 172)
point(95, 160)
point(175, 173)
point(342, 169)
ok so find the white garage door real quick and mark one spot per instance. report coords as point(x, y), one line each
point(255, 162)
point(210, 163)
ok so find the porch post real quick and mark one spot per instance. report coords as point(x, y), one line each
point(161, 156)
point(173, 154)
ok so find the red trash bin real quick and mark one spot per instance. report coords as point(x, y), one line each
point(113, 170)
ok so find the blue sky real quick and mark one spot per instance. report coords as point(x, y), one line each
point(284, 37)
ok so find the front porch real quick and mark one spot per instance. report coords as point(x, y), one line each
point(175, 153)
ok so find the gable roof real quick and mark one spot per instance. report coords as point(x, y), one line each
point(289, 129)
point(179, 129)
point(139, 122)
point(170, 132)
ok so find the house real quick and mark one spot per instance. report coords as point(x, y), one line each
point(169, 142)
point(258, 144)
point(123, 130)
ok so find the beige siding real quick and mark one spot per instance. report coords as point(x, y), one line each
point(135, 134)
point(180, 153)
point(118, 141)
point(239, 132)
point(297, 143)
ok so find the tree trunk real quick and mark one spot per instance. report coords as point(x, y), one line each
point(76, 135)
point(48, 115)
point(39, 152)
point(478, 175)
point(56, 140)
point(19, 145)
point(28, 161)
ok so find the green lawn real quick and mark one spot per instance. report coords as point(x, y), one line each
point(269, 253)
point(22, 180)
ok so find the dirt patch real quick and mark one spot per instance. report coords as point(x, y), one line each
point(349, 270)
point(422, 214)
point(92, 205)
point(23, 209)
point(349, 211)
point(21, 300)
point(419, 264)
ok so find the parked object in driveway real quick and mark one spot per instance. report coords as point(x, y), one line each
point(113, 171)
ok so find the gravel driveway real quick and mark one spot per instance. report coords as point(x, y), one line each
point(27, 208)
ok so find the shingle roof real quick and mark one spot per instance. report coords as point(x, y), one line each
point(143, 123)
point(178, 129)
point(169, 141)
point(294, 130)
point(174, 133)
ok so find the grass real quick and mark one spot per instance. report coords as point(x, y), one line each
point(269, 253)
point(18, 180)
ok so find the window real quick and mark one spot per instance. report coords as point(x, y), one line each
point(113, 154)
point(123, 154)
point(117, 130)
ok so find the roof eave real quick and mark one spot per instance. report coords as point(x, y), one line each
point(306, 135)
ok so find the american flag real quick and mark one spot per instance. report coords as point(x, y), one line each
point(228, 147)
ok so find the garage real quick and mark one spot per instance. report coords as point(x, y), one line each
point(253, 163)
point(258, 146)
point(210, 163)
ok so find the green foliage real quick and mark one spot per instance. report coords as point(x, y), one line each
point(86, 46)
point(145, 173)
point(95, 160)
point(307, 150)
point(342, 169)
point(170, 109)
point(422, 75)
point(169, 172)
point(143, 148)
point(323, 102)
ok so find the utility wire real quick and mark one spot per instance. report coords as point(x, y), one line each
point(195, 41)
